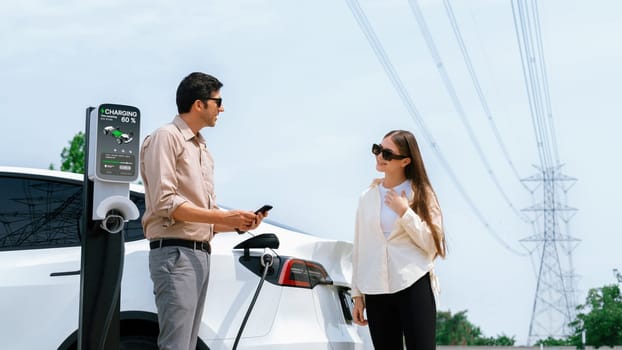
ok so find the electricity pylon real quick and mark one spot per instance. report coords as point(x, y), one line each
point(554, 301)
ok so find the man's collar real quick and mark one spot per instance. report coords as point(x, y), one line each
point(185, 129)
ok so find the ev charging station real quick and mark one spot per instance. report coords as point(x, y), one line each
point(112, 155)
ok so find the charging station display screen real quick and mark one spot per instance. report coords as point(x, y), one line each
point(117, 142)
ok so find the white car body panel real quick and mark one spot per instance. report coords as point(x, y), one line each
point(28, 315)
point(39, 311)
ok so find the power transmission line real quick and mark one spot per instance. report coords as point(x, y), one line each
point(534, 73)
point(416, 10)
point(545, 87)
point(483, 101)
point(372, 39)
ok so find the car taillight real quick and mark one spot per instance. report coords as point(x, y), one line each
point(303, 273)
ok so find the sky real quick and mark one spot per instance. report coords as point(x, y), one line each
point(305, 97)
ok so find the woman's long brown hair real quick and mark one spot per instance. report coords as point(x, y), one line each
point(422, 189)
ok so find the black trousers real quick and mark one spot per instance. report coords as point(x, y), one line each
point(408, 315)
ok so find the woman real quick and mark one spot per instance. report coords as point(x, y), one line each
point(398, 235)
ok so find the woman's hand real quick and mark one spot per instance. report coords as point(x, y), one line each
point(399, 204)
point(359, 307)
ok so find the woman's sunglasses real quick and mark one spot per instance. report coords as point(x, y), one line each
point(387, 154)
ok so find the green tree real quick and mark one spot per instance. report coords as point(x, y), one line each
point(550, 341)
point(500, 340)
point(72, 157)
point(503, 340)
point(600, 318)
point(457, 330)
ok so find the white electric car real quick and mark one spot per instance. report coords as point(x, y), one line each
point(304, 302)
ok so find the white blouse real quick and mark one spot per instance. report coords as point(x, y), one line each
point(383, 265)
point(388, 217)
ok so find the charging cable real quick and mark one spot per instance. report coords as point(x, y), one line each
point(266, 262)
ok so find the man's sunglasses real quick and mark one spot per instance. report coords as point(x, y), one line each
point(387, 154)
point(218, 100)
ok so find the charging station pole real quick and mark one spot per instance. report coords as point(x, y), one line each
point(111, 152)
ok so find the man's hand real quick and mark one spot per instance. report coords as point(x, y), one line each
point(359, 308)
point(258, 219)
point(242, 219)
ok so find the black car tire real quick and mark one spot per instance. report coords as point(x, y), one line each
point(138, 342)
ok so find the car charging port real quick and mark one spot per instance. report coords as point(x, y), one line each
point(266, 260)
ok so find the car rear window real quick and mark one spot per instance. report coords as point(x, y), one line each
point(45, 212)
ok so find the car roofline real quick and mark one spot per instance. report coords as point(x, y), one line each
point(57, 174)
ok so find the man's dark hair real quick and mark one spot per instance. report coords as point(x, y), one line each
point(196, 86)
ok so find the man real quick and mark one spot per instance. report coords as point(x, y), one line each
point(181, 216)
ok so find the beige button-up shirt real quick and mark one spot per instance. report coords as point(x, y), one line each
point(176, 168)
point(383, 265)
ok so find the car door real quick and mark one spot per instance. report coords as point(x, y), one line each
point(39, 260)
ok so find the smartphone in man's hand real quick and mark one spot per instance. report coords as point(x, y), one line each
point(264, 209)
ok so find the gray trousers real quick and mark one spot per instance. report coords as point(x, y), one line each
point(180, 276)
